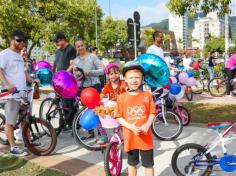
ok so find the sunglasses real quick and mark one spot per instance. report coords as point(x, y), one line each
point(20, 40)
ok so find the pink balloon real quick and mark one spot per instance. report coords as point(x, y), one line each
point(173, 79)
point(42, 64)
point(183, 77)
point(64, 84)
point(191, 82)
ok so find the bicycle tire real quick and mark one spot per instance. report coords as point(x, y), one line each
point(54, 117)
point(111, 155)
point(184, 114)
point(82, 136)
point(3, 137)
point(177, 161)
point(189, 94)
point(199, 87)
point(217, 87)
point(159, 127)
point(37, 129)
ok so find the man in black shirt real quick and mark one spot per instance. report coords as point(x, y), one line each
point(65, 53)
point(211, 65)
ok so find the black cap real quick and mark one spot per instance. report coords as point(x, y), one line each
point(18, 33)
point(59, 35)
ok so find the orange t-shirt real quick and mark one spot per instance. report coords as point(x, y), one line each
point(136, 109)
point(114, 93)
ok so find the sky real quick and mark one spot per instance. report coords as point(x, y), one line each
point(151, 11)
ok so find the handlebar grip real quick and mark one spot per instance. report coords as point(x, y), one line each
point(4, 90)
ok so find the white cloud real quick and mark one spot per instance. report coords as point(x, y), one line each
point(147, 14)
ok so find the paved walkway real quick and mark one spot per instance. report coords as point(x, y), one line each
point(74, 160)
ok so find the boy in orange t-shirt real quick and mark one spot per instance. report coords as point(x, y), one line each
point(135, 112)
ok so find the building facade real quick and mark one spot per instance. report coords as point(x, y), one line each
point(211, 25)
point(179, 25)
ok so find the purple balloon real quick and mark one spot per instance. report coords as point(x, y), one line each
point(42, 64)
point(64, 84)
point(183, 77)
point(191, 82)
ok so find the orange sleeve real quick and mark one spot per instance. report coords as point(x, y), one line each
point(118, 109)
point(106, 90)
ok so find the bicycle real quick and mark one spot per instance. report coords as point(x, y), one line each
point(167, 124)
point(38, 135)
point(52, 109)
point(201, 161)
point(217, 86)
point(114, 147)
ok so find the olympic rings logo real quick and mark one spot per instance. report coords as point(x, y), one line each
point(136, 110)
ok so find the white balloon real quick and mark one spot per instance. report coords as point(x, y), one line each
point(180, 95)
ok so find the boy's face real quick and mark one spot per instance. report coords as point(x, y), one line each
point(134, 79)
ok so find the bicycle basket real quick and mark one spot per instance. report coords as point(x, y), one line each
point(108, 122)
point(170, 101)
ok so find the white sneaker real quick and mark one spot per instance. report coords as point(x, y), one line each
point(16, 151)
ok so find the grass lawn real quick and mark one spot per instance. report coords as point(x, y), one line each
point(15, 166)
point(203, 113)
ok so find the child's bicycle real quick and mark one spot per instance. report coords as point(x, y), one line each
point(113, 152)
point(167, 124)
point(194, 159)
point(38, 135)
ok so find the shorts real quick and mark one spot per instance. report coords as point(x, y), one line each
point(146, 158)
point(11, 111)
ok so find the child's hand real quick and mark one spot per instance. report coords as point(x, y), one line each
point(136, 130)
point(145, 128)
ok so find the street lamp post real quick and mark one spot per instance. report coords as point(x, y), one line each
point(96, 24)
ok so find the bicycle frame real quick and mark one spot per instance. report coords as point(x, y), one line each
point(219, 140)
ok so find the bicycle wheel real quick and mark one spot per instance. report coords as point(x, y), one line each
point(39, 136)
point(85, 138)
point(171, 129)
point(191, 159)
point(3, 137)
point(184, 114)
point(199, 87)
point(189, 93)
point(217, 87)
point(49, 111)
point(113, 159)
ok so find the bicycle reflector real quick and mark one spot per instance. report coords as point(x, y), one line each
point(228, 163)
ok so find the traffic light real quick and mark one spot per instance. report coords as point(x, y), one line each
point(130, 30)
point(137, 22)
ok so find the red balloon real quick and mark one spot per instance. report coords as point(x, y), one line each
point(90, 98)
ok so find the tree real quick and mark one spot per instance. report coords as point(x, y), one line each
point(41, 19)
point(111, 32)
point(180, 42)
point(146, 36)
point(180, 7)
point(215, 44)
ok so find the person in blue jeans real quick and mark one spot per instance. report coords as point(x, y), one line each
point(211, 65)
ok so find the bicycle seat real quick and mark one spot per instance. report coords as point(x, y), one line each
point(218, 125)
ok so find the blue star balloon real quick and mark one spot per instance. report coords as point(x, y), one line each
point(45, 76)
point(156, 70)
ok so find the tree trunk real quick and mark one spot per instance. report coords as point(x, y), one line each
point(31, 48)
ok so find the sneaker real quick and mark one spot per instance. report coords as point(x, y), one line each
point(16, 151)
point(90, 136)
point(102, 140)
